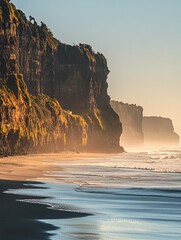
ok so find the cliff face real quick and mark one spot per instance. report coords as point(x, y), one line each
point(36, 69)
point(159, 131)
point(74, 75)
point(131, 118)
point(32, 124)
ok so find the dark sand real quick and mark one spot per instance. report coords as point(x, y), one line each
point(19, 220)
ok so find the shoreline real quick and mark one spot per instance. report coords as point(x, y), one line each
point(20, 220)
point(74, 195)
point(34, 166)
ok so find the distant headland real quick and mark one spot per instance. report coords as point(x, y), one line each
point(139, 130)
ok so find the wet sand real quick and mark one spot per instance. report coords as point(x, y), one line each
point(133, 196)
point(20, 220)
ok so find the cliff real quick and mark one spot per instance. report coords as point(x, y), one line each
point(53, 96)
point(159, 131)
point(131, 118)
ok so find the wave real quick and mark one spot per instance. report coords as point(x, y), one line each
point(135, 192)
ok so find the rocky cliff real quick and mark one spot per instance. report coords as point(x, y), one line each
point(52, 95)
point(159, 131)
point(131, 118)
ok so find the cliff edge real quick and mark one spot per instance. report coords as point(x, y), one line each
point(53, 96)
point(131, 118)
point(159, 131)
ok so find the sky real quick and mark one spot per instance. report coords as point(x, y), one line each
point(141, 40)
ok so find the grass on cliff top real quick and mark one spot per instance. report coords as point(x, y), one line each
point(40, 35)
point(47, 38)
point(88, 52)
point(8, 11)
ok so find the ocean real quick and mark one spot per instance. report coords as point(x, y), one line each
point(130, 196)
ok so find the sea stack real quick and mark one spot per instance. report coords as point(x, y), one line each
point(53, 96)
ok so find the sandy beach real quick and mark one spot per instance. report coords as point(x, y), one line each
point(35, 166)
point(73, 196)
point(19, 220)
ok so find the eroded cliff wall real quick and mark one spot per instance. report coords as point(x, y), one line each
point(39, 77)
point(131, 117)
point(159, 131)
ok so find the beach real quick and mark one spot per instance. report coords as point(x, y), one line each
point(135, 195)
point(80, 83)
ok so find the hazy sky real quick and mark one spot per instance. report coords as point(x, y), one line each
point(141, 40)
